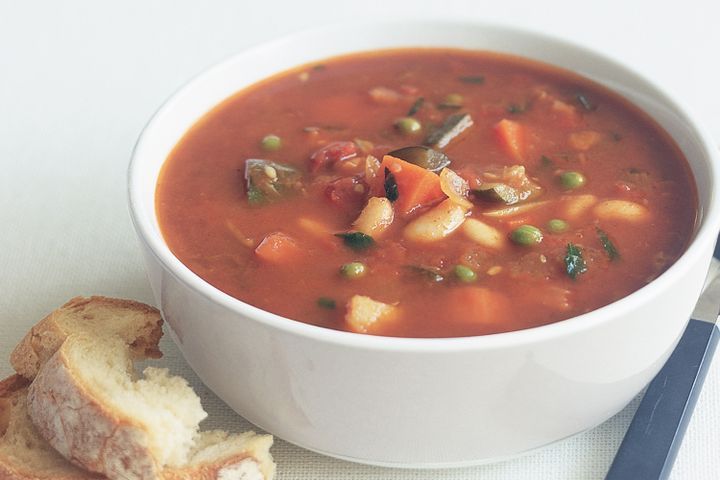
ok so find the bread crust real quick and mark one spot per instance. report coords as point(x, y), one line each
point(242, 467)
point(46, 337)
point(244, 456)
point(13, 392)
point(66, 430)
point(85, 431)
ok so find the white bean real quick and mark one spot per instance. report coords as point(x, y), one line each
point(483, 234)
point(576, 205)
point(436, 224)
point(621, 210)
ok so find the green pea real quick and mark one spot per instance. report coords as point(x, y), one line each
point(271, 143)
point(408, 125)
point(572, 180)
point(453, 99)
point(353, 270)
point(557, 225)
point(464, 274)
point(526, 235)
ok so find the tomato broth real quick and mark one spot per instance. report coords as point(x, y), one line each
point(427, 193)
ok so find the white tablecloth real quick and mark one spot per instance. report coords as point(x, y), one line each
point(78, 80)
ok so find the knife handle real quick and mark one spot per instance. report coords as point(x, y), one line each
point(653, 439)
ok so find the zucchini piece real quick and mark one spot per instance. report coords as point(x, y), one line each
point(453, 126)
point(267, 181)
point(422, 156)
point(431, 274)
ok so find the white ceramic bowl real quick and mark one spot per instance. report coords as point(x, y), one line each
point(420, 402)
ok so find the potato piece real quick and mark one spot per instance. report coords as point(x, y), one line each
point(320, 231)
point(483, 234)
point(621, 210)
point(364, 313)
point(584, 140)
point(375, 218)
point(436, 224)
point(577, 205)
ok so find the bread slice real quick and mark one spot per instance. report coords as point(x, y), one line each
point(86, 403)
point(139, 325)
point(220, 456)
point(24, 454)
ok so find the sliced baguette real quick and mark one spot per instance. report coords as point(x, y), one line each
point(139, 325)
point(24, 454)
point(219, 456)
point(86, 404)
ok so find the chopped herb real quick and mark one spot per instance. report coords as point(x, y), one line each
point(608, 245)
point(585, 102)
point(448, 106)
point(515, 108)
point(391, 187)
point(428, 273)
point(476, 79)
point(357, 241)
point(416, 106)
point(318, 67)
point(546, 161)
point(616, 136)
point(311, 129)
point(574, 261)
point(326, 302)
point(453, 126)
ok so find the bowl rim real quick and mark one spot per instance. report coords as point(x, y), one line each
point(704, 236)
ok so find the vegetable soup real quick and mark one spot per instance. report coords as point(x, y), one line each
point(427, 193)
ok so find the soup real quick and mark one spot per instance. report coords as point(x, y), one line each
point(426, 193)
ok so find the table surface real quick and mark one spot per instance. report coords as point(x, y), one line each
point(79, 79)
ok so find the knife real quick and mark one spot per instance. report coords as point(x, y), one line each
point(653, 439)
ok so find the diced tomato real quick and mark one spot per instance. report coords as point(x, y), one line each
point(279, 249)
point(409, 89)
point(417, 186)
point(511, 136)
point(332, 153)
point(347, 193)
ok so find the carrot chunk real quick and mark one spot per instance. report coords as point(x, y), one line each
point(478, 305)
point(511, 136)
point(278, 248)
point(416, 186)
